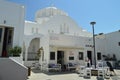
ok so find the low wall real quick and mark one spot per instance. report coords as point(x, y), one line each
point(18, 59)
point(11, 70)
point(30, 63)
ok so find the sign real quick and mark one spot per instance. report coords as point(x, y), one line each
point(71, 53)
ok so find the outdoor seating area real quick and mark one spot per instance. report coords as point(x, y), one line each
point(83, 70)
point(68, 75)
point(100, 71)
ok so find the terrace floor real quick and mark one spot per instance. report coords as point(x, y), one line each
point(38, 75)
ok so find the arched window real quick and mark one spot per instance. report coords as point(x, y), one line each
point(64, 28)
point(37, 30)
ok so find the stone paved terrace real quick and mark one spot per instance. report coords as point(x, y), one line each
point(38, 75)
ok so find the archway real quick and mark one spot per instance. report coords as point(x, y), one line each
point(33, 48)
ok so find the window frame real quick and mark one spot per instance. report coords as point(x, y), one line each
point(71, 57)
point(52, 55)
point(118, 43)
point(99, 56)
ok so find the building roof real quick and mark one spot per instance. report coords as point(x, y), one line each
point(48, 12)
point(53, 20)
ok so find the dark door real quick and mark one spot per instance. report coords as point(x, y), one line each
point(98, 55)
point(89, 55)
point(1, 39)
point(7, 42)
point(4, 51)
point(60, 57)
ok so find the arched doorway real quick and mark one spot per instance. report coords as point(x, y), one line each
point(33, 48)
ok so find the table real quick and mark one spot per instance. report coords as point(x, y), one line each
point(94, 72)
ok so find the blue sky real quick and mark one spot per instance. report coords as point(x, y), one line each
point(106, 13)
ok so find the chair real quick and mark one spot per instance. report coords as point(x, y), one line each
point(81, 71)
point(55, 67)
point(107, 72)
point(100, 70)
point(99, 64)
point(101, 73)
point(71, 66)
point(87, 73)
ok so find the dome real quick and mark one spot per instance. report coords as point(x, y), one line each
point(48, 12)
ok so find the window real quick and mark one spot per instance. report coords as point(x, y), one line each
point(71, 58)
point(32, 30)
point(118, 43)
point(98, 56)
point(64, 28)
point(52, 55)
point(80, 55)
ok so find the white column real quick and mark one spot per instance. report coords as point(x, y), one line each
point(26, 53)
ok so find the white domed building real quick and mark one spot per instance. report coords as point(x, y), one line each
point(53, 34)
point(60, 37)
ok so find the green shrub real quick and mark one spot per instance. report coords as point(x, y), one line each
point(15, 51)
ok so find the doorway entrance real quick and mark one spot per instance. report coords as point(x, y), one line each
point(89, 55)
point(60, 57)
point(6, 40)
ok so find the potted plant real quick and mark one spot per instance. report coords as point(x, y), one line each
point(38, 54)
point(15, 51)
